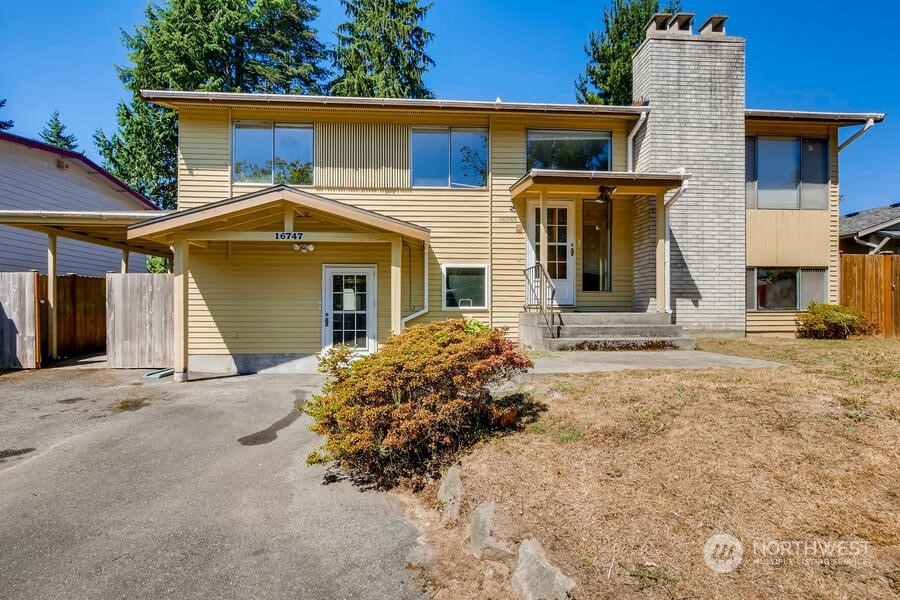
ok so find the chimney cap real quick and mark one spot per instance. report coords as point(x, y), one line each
point(681, 22)
point(657, 23)
point(714, 25)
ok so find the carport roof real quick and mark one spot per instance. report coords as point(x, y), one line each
point(105, 228)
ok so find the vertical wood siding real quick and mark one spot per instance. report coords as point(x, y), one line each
point(140, 322)
point(19, 337)
point(361, 155)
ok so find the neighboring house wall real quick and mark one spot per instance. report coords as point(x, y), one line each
point(695, 88)
point(31, 180)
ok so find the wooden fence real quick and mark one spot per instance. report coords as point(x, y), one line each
point(140, 321)
point(80, 315)
point(19, 328)
point(871, 283)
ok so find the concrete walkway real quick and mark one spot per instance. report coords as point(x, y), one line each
point(593, 362)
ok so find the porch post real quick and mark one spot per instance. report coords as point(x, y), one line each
point(661, 252)
point(542, 258)
point(181, 270)
point(396, 284)
point(125, 257)
point(52, 297)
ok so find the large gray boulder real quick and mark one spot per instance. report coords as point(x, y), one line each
point(535, 578)
point(484, 545)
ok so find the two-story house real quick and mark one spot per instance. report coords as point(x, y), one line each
point(309, 221)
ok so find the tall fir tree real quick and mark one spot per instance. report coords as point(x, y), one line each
point(205, 45)
point(380, 50)
point(54, 133)
point(4, 125)
point(607, 78)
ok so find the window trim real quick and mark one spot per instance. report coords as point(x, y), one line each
point(800, 139)
point(487, 286)
point(272, 125)
point(608, 132)
point(449, 129)
point(799, 278)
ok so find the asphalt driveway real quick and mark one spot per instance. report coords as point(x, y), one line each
point(115, 486)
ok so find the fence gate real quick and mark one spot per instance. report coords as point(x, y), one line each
point(140, 322)
point(871, 283)
point(20, 344)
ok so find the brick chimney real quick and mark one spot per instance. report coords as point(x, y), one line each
point(695, 86)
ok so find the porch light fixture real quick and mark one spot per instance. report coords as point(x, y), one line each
point(606, 194)
point(304, 247)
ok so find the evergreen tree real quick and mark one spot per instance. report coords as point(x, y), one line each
point(4, 125)
point(607, 78)
point(380, 50)
point(54, 133)
point(206, 45)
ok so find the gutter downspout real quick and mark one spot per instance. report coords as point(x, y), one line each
point(678, 193)
point(869, 124)
point(425, 304)
point(629, 144)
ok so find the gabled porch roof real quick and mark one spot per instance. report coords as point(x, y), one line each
point(590, 182)
point(275, 208)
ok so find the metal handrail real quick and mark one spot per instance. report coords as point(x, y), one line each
point(541, 293)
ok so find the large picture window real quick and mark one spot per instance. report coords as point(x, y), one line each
point(568, 150)
point(786, 172)
point(596, 249)
point(774, 288)
point(455, 158)
point(272, 153)
point(465, 286)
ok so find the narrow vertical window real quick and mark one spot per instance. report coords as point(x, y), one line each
point(596, 239)
point(750, 171)
point(814, 174)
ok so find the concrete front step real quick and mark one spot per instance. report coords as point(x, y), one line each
point(612, 318)
point(622, 331)
point(621, 343)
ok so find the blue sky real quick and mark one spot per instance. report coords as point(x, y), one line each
point(800, 55)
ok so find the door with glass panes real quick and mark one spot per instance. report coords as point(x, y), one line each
point(560, 246)
point(348, 308)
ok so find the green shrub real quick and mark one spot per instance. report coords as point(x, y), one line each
point(832, 322)
point(408, 408)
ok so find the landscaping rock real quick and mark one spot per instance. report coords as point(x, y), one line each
point(535, 578)
point(484, 545)
point(451, 494)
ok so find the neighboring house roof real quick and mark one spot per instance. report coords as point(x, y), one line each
point(266, 199)
point(178, 99)
point(869, 221)
point(89, 166)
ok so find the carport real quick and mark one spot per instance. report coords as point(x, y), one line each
point(104, 228)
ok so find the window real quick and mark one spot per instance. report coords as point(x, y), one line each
point(567, 150)
point(455, 158)
point(596, 239)
point(273, 153)
point(775, 288)
point(465, 286)
point(786, 173)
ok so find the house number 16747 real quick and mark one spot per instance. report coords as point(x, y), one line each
point(288, 235)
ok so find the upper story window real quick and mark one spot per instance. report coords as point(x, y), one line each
point(449, 157)
point(568, 150)
point(786, 172)
point(272, 153)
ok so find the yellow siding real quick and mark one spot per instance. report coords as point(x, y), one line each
point(834, 230)
point(788, 238)
point(361, 155)
point(204, 158)
point(266, 298)
point(770, 322)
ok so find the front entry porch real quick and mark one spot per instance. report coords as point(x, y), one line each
point(597, 270)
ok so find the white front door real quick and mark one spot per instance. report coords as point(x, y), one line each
point(349, 307)
point(560, 246)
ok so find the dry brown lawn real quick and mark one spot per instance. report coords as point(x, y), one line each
point(627, 474)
